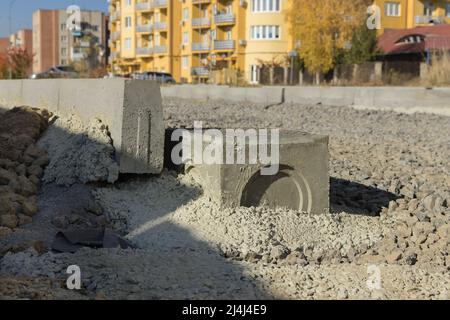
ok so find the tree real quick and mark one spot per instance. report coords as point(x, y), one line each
point(364, 47)
point(323, 28)
point(3, 66)
point(15, 64)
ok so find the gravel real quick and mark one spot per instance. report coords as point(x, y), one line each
point(78, 153)
point(390, 194)
point(170, 203)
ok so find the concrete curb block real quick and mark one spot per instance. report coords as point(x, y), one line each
point(398, 99)
point(131, 109)
point(266, 95)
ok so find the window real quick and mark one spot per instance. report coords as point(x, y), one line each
point(186, 14)
point(265, 5)
point(264, 32)
point(150, 41)
point(447, 10)
point(254, 76)
point(157, 40)
point(185, 37)
point(63, 61)
point(128, 3)
point(63, 27)
point(128, 43)
point(392, 9)
point(128, 22)
point(229, 35)
point(185, 62)
point(428, 8)
point(63, 51)
point(63, 39)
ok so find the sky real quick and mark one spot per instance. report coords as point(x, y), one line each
point(22, 11)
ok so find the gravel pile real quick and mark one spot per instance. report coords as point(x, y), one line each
point(147, 211)
point(79, 153)
point(22, 164)
point(421, 234)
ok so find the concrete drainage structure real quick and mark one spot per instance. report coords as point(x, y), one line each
point(302, 181)
point(132, 110)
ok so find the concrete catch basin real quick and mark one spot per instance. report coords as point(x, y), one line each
point(297, 178)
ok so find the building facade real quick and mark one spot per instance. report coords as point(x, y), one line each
point(191, 39)
point(55, 44)
point(406, 14)
point(4, 45)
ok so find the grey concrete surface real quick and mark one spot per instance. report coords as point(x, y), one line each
point(131, 109)
point(398, 99)
point(267, 95)
point(300, 180)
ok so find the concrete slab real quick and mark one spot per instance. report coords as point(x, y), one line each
point(303, 95)
point(10, 93)
point(301, 183)
point(265, 95)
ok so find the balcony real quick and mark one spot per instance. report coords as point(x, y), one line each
point(144, 51)
point(115, 36)
point(160, 49)
point(429, 19)
point(224, 45)
point(201, 22)
point(160, 26)
point(200, 71)
point(224, 18)
point(200, 46)
point(200, 1)
point(143, 6)
point(115, 15)
point(159, 3)
point(144, 28)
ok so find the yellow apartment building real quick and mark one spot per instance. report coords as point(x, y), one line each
point(145, 36)
point(406, 14)
point(192, 38)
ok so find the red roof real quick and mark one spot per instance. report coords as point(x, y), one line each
point(394, 41)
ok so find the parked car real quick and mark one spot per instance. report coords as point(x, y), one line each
point(160, 77)
point(57, 72)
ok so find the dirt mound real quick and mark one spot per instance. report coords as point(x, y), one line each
point(21, 165)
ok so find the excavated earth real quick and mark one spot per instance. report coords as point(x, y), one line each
point(387, 235)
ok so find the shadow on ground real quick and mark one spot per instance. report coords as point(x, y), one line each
point(356, 198)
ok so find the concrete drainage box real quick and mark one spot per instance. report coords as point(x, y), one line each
point(301, 182)
point(132, 109)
